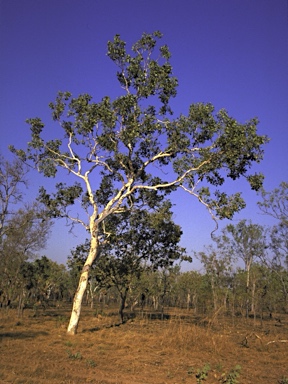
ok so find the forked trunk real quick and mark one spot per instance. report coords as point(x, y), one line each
point(83, 282)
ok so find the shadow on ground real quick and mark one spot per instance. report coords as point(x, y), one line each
point(22, 335)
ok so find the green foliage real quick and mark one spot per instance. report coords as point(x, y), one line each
point(227, 378)
point(12, 177)
point(232, 376)
point(121, 139)
point(275, 203)
point(202, 374)
point(218, 267)
point(24, 234)
point(77, 356)
point(138, 240)
point(244, 240)
point(91, 363)
point(145, 76)
point(74, 356)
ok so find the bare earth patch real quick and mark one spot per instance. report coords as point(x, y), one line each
point(37, 350)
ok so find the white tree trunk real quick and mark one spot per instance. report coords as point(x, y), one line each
point(188, 300)
point(83, 282)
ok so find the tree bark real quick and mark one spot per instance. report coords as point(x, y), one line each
point(83, 282)
point(248, 266)
point(188, 301)
point(122, 304)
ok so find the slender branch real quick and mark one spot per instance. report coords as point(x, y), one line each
point(73, 155)
point(77, 220)
point(214, 218)
point(174, 182)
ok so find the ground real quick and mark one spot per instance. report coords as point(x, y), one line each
point(35, 349)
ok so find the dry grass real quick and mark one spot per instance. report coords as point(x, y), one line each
point(37, 350)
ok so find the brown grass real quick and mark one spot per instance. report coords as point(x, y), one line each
point(37, 349)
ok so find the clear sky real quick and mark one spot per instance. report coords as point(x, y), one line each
point(232, 53)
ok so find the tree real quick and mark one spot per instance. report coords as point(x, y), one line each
point(246, 241)
point(12, 176)
point(41, 281)
point(189, 285)
point(138, 239)
point(160, 286)
point(23, 236)
point(120, 149)
point(278, 261)
point(23, 231)
point(218, 270)
point(275, 203)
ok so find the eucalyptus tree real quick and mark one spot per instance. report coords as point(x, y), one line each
point(278, 262)
point(139, 239)
point(218, 268)
point(246, 241)
point(161, 286)
point(189, 287)
point(24, 235)
point(275, 204)
point(41, 281)
point(23, 228)
point(117, 150)
point(12, 178)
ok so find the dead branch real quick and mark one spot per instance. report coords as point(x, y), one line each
point(277, 341)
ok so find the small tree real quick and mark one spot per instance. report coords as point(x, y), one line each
point(117, 150)
point(23, 231)
point(189, 286)
point(218, 269)
point(23, 236)
point(244, 241)
point(275, 204)
point(41, 281)
point(12, 177)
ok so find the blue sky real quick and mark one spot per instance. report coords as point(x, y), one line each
point(232, 53)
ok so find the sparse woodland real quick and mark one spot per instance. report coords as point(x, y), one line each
point(169, 324)
point(244, 272)
point(127, 273)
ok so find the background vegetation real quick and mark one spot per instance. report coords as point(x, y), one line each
point(244, 270)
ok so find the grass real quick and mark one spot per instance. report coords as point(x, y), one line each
point(175, 351)
point(232, 376)
point(74, 356)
